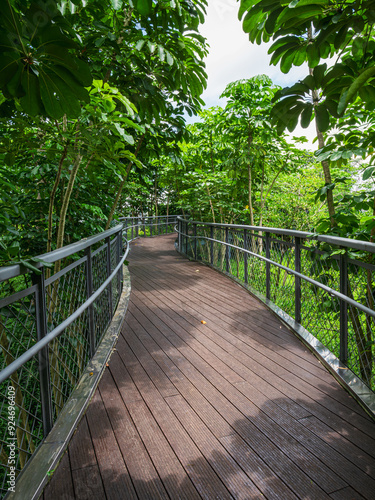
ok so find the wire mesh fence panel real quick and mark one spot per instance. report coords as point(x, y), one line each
point(282, 282)
point(361, 326)
point(20, 409)
point(320, 309)
point(21, 427)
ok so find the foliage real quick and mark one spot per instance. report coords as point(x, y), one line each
point(314, 31)
point(91, 93)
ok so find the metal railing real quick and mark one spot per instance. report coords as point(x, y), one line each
point(148, 225)
point(51, 325)
point(322, 286)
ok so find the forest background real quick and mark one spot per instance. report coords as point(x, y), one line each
point(93, 105)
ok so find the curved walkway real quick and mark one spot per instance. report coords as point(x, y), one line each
point(209, 396)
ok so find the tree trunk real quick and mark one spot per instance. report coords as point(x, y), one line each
point(117, 199)
point(52, 199)
point(325, 163)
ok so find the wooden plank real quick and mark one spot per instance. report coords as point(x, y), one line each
point(141, 469)
point(199, 471)
point(61, 483)
point(348, 494)
point(124, 382)
point(335, 440)
point(233, 357)
point(115, 476)
point(175, 479)
point(343, 464)
point(88, 483)
point(244, 478)
point(81, 450)
point(190, 393)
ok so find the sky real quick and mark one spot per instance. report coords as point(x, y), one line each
point(233, 57)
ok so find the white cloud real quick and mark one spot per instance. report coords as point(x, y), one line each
point(232, 56)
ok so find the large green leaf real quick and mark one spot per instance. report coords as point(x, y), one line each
point(57, 97)
point(322, 117)
point(31, 102)
point(37, 62)
point(144, 7)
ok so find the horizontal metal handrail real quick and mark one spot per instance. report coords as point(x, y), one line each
point(332, 240)
point(30, 353)
point(8, 272)
point(331, 291)
point(148, 217)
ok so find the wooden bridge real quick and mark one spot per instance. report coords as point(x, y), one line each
point(208, 395)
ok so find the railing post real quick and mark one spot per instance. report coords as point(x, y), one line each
point(150, 222)
point(90, 291)
point(136, 228)
point(343, 263)
point(119, 254)
point(297, 280)
point(179, 227)
point(195, 241)
point(144, 227)
point(166, 225)
point(132, 228)
point(186, 237)
point(268, 266)
point(43, 357)
point(226, 250)
point(110, 301)
point(245, 256)
point(212, 246)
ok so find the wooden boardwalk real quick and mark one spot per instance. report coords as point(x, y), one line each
point(233, 408)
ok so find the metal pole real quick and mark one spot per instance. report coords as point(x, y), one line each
point(179, 227)
point(268, 266)
point(297, 280)
point(119, 254)
point(90, 291)
point(343, 263)
point(166, 225)
point(136, 228)
point(150, 222)
point(226, 250)
point(195, 241)
point(212, 245)
point(110, 302)
point(144, 227)
point(43, 358)
point(245, 256)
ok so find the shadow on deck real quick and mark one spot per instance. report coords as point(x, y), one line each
point(234, 408)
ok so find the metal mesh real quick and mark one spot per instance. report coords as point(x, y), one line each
point(361, 326)
point(320, 309)
point(20, 409)
point(282, 251)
